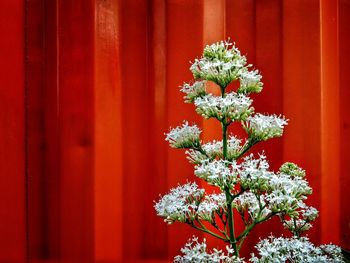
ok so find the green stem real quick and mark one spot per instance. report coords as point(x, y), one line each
point(248, 229)
point(204, 229)
point(214, 224)
point(224, 140)
point(245, 149)
point(229, 197)
point(231, 223)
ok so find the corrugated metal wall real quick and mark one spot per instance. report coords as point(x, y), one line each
point(89, 87)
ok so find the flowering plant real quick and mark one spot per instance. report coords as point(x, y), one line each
point(247, 189)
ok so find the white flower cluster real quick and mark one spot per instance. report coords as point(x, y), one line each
point(211, 204)
point(302, 221)
point(297, 226)
point(263, 127)
point(287, 192)
point(281, 250)
point(309, 213)
point(292, 169)
point(221, 63)
point(196, 252)
point(255, 174)
point(220, 173)
point(214, 150)
point(254, 204)
point(184, 136)
point(187, 203)
point(265, 191)
point(250, 81)
point(197, 89)
point(233, 106)
point(180, 204)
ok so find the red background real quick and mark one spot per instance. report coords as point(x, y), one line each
point(89, 87)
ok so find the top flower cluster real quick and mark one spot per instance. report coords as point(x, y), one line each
point(223, 63)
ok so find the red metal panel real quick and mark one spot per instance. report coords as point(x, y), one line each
point(76, 128)
point(344, 56)
point(240, 26)
point(36, 198)
point(156, 235)
point(301, 93)
point(330, 120)
point(51, 132)
point(12, 132)
point(108, 158)
point(136, 118)
point(42, 145)
point(184, 43)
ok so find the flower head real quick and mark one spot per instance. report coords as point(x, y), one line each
point(281, 250)
point(180, 204)
point(233, 106)
point(263, 127)
point(197, 252)
point(221, 63)
point(220, 173)
point(301, 221)
point(214, 150)
point(197, 89)
point(212, 203)
point(292, 169)
point(252, 203)
point(286, 193)
point(255, 174)
point(250, 81)
point(184, 136)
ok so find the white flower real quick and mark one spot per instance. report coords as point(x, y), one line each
point(195, 156)
point(197, 89)
point(184, 136)
point(297, 226)
point(292, 169)
point(196, 252)
point(280, 192)
point(250, 202)
point(233, 106)
point(309, 213)
point(214, 150)
point(220, 173)
point(287, 192)
point(211, 204)
point(221, 63)
point(250, 81)
point(262, 127)
point(180, 204)
point(301, 222)
point(332, 251)
point(281, 250)
point(254, 173)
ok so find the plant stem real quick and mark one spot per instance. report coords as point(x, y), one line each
point(204, 229)
point(245, 149)
point(231, 223)
point(249, 228)
point(224, 140)
point(229, 197)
